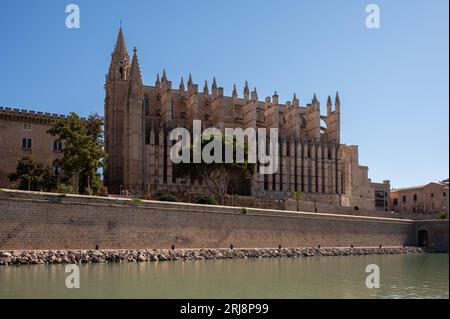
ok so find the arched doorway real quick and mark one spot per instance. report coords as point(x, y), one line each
point(422, 238)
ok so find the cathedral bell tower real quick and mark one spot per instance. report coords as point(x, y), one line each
point(124, 142)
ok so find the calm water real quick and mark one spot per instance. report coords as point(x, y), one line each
point(402, 276)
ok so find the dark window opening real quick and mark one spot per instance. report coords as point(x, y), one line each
point(57, 146)
point(404, 198)
point(27, 143)
point(415, 197)
point(422, 238)
point(146, 105)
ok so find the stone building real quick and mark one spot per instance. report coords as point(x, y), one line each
point(138, 118)
point(422, 199)
point(23, 132)
point(382, 196)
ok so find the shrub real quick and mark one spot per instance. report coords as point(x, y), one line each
point(443, 215)
point(244, 210)
point(356, 208)
point(206, 200)
point(65, 189)
point(168, 198)
point(137, 200)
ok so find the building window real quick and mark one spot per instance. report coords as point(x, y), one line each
point(57, 146)
point(26, 143)
point(146, 105)
point(432, 195)
point(27, 126)
point(414, 210)
point(395, 201)
point(444, 194)
point(415, 198)
point(404, 198)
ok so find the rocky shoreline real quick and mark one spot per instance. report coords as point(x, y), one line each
point(26, 257)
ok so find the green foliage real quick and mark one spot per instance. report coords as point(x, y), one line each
point(244, 210)
point(65, 189)
point(168, 198)
point(137, 200)
point(82, 151)
point(443, 215)
point(298, 196)
point(206, 200)
point(33, 175)
point(216, 174)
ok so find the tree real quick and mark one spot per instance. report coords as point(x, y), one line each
point(33, 175)
point(216, 174)
point(82, 150)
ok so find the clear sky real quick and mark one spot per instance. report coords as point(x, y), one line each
point(393, 81)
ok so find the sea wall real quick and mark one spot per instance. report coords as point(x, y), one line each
point(40, 221)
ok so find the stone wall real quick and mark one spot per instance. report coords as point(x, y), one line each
point(31, 220)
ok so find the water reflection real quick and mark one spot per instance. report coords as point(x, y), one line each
point(402, 276)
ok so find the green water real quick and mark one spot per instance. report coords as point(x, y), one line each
point(401, 276)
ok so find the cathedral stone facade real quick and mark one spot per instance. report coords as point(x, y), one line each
point(139, 117)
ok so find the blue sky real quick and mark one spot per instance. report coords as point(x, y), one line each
point(393, 81)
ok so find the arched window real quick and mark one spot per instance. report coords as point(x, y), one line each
point(24, 143)
point(146, 104)
point(29, 143)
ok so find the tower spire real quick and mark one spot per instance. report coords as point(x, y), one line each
point(205, 88)
point(182, 84)
point(329, 104)
point(135, 71)
point(295, 101)
point(254, 95)
point(214, 87)
point(120, 44)
point(120, 60)
point(337, 103)
point(246, 91)
point(235, 94)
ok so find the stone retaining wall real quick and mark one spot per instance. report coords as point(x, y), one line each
point(37, 221)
